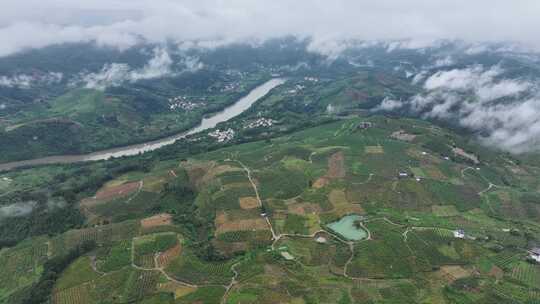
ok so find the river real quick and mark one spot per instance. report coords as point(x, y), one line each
point(210, 122)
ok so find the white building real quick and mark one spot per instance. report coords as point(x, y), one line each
point(321, 240)
point(222, 136)
point(535, 254)
point(459, 234)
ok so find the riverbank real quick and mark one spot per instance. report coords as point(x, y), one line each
point(210, 122)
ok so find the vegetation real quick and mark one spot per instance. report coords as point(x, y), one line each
point(245, 220)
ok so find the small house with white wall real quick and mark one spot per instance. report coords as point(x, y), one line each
point(535, 254)
point(459, 234)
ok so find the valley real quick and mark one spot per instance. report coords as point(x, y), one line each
point(265, 209)
point(269, 173)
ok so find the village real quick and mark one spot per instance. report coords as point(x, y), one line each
point(260, 122)
point(182, 103)
point(222, 136)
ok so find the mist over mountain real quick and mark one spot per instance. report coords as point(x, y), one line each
point(489, 89)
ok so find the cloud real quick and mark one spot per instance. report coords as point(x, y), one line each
point(17, 209)
point(389, 104)
point(443, 62)
point(471, 97)
point(479, 81)
point(115, 74)
point(414, 23)
point(25, 81)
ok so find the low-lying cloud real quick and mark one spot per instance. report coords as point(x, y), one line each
point(115, 74)
point(505, 111)
point(34, 24)
point(17, 209)
point(26, 81)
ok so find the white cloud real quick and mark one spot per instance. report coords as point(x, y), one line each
point(414, 23)
point(115, 74)
point(389, 104)
point(511, 126)
point(17, 209)
point(442, 62)
point(25, 81)
point(478, 80)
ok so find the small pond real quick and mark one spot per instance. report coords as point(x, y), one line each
point(346, 228)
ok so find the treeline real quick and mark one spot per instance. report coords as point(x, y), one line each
point(41, 291)
point(55, 210)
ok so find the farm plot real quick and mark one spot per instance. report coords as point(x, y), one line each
point(75, 295)
point(248, 202)
point(281, 183)
point(22, 265)
point(342, 206)
point(453, 273)
point(386, 256)
point(162, 219)
point(77, 273)
point(119, 209)
point(189, 268)
point(164, 258)
point(146, 247)
point(179, 290)
point(141, 283)
point(374, 150)
point(444, 210)
point(116, 257)
point(504, 259)
point(313, 253)
point(527, 273)
point(113, 192)
point(229, 199)
point(224, 224)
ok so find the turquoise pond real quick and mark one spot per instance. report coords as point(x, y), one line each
point(345, 227)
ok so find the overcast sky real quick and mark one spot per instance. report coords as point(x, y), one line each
point(38, 23)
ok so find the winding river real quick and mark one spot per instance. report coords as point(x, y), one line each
point(228, 113)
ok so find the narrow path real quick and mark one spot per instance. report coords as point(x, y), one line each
point(491, 185)
point(233, 282)
point(366, 181)
point(248, 172)
point(156, 268)
point(141, 183)
point(465, 169)
point(94, 266)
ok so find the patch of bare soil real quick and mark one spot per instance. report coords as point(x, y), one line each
point(109, 193)
point(304, 208)
point(462, 153)
point(321, 182)
point(224, 224)
point(496, 272)
point(248, 202)
point(336, 166)
point(162, 219)
point(452, 273)
point(336, 169)
point(166, 257)
point(402, 135)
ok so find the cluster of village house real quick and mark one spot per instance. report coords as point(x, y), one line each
point(226, 135)
point(298, 87)
point(260, 122)
point(181, 102)
point(534, 253)
point(222, 136)
point(230, 87)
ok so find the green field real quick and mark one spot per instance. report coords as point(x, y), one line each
point(305, 181)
